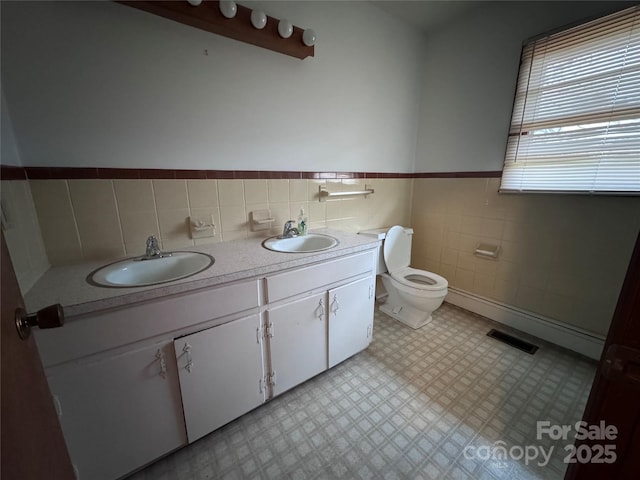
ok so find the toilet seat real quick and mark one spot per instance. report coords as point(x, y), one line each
point(420, 279)
point(397, 256)
point(397, 249)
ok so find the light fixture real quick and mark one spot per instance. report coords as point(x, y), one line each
point(233, 20)
point(258, 19)
point(309, 37)
point(228, 8)
point(285, 29)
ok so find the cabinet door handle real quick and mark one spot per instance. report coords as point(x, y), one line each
point(187, 351)
point(163, 363)
point(335, 306)
point(320, 310)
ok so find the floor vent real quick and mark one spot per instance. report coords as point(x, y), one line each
point(513, 341)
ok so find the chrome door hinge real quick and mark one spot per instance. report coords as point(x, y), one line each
point(269, 329)
point(272, 378)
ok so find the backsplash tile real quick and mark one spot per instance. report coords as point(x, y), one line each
point(233, 218)
point(281, 212)
point(136, 228)
point(100, 237)
point(202, 193)
point(51, 197)
point(57, 220)
point(92, 198)
point(61, 239)
point(313, 189)
point(96, 215)
point(134, 196)
point(231, 192)
point(298, 191)
point(317, 212)
point(170, 194)
point(278, 190)
point(173, 226)
point(137, 210)
point(255, 191)
point(162, 207)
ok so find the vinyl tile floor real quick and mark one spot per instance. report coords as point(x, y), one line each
point(441, 402)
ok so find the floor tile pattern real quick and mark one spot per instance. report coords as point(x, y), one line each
point(406, 408)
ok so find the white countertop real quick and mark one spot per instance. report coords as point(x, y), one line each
point(234, 260)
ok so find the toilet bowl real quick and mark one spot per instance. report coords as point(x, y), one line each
point(413, 294)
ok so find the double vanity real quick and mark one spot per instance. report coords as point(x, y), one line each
point(141, 371)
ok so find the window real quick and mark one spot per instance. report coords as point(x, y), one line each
point(576, 117)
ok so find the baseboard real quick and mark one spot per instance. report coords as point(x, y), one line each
point(567, 336)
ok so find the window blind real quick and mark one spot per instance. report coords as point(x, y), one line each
point(576, 117)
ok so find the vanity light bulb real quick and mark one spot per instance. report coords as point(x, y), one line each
point(309, 37)
point(258, 19)
point(194, 3)
point(285, 29)
point(228, 8)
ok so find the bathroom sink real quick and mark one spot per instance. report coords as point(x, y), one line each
point(311, 242)
point(134, 272)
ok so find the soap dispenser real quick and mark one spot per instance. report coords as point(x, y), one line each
point(302, 222)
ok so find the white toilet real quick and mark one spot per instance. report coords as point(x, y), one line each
point(413, 294)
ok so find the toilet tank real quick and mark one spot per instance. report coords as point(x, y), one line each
point(380, 234)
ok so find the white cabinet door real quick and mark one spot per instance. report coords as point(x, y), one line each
point(297, 342)
point(119, 413)
point(350, 319)
point(221, 374)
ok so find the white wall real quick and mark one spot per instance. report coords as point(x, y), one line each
point(98, 84)
point(471, 66)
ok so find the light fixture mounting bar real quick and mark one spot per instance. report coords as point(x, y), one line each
point(207, 16)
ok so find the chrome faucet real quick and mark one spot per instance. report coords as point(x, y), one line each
point(153, 250)
point(289, 230)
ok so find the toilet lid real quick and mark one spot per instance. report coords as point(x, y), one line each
point(397, 249)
